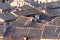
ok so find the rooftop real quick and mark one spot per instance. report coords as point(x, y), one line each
point(27, 10)
point(7, 16)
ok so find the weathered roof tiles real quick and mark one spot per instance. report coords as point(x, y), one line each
point(55, 21)
point(27, 10)
point(7, 16)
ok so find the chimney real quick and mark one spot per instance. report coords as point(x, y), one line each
point(1, 36)
point(2, 20)
point(1, 10)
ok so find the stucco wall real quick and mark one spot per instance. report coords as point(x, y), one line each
point(17, 3)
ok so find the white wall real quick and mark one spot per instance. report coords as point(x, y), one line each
point(17, 3)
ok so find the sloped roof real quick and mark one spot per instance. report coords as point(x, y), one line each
point(52, 29)
point(23, 22)
point(53, 8)
point(27, 10)
point(20, 32)
point(35, 25)
point(5, 6)
point(34, 33)
point(55, 21)
point(53, 12)
point(53, 4)
point(50, 32)
point(16, 32)
point(7, 16)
